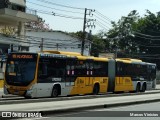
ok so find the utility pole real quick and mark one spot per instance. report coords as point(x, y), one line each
point(84, 27)
point(84, 32)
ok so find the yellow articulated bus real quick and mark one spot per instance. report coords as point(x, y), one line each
point(57, 73)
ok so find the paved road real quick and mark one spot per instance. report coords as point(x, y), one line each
point(118, 113)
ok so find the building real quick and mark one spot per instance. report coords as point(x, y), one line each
point(55, 40)
point(13, 15)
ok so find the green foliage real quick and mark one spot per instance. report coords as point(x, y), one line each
point(98, 45)
point(121, 36)
point(78, 34)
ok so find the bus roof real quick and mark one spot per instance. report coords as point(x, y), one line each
point(99, 59)
point(62, 52)
point(129, 60)
point(75, 54)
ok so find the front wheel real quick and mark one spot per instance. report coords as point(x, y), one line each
point(54, 92)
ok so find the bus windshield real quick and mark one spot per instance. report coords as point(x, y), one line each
point(20, 72)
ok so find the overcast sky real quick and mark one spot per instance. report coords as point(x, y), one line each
point(112, 9)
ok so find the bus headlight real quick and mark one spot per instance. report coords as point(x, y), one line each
point(7, 86)
point(31, 88)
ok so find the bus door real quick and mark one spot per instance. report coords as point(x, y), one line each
point(80, 73)
point(89, 77)
point(89, 73)
point(70, 79)
point(111, 75)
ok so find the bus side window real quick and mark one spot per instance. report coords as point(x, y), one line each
point(42, 70)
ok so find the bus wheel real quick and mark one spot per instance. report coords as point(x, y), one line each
point(138, 88)
point(96, 89)
point(143, 88)
point(27, 97)
point(54, 92)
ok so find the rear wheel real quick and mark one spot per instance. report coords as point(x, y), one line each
point(138, 88)
point(143, 88)
point(54, 92)
point(96, 89)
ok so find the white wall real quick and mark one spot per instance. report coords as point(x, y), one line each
point(55, 40)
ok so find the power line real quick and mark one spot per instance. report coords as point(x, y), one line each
point(102, 20)
point(108, 19)
point(148, 38)
point(143, 37)
point(57, 14)
point(101, 25)
point(146, 35)
point(65, 16)
point(55, 8)
point(97, 21)
point(66, 6)
point(141, 56)
point(154, 31)
point(150, 58)
point(153, 46)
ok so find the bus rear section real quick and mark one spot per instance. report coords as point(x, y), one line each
point(133, 75)
point(20, 73)
point(151, 75)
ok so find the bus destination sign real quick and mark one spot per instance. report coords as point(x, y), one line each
point(22, 56)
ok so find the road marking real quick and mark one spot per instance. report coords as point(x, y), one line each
point(34, 118)
point(68, 114)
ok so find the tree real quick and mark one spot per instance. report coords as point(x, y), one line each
point(98, 45)
point(120, 36)
point(38, 25)
point(147, 35)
